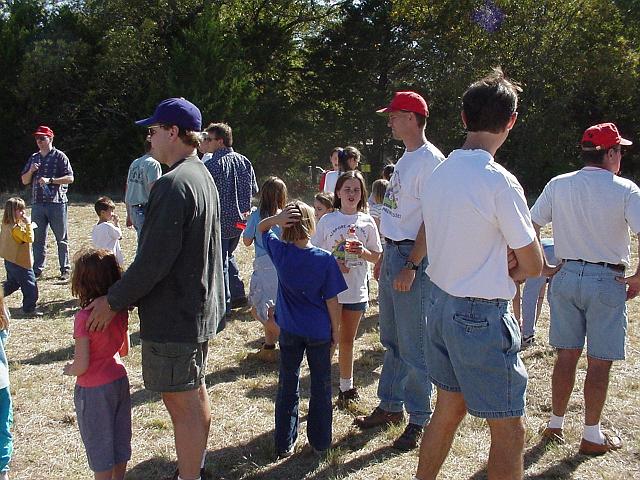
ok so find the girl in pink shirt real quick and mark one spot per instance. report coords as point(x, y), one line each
point(101, 397)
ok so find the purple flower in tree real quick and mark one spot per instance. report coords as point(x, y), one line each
point(488, 16)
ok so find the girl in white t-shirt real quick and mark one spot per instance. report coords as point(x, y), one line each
point(350, 205)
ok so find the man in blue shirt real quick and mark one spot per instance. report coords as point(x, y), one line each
point(236, 183)
point(49, 173)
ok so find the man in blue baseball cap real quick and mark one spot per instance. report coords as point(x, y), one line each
point(176, 280)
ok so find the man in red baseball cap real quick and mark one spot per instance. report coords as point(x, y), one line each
point(403, 284)
point(49, 173)
point(591, 210)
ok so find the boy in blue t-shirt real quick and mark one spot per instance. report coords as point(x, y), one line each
point(308, 313)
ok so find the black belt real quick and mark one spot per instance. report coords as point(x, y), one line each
point(612, 266)
point(399, 242)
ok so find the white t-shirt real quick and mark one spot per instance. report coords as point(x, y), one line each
point(401, 217)
point(330, 180)
point(473, 208)
point(591, 211)
point(330, 234)
point(106, 235)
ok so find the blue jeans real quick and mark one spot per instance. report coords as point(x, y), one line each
point(292, 349)
point(233, 286)
point(54, 214)
point(404, 380)
point(531, 291)
point(136, 214)
point(24, 279)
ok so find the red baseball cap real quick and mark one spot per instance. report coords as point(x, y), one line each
point(44, 130)
point(407, 101)
point(602, 137)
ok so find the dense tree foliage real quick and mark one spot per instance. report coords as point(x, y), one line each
point(296, 77)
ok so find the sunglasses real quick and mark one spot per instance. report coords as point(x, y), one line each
point(151, 131)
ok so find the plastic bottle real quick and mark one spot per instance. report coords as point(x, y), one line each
point(351, 259)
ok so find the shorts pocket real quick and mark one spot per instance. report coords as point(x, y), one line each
point(471, 324)
point(555, 282)
point(511, 335)
point(611, 292)
point(177, 362)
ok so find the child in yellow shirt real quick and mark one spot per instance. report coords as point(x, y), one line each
point(16, 237)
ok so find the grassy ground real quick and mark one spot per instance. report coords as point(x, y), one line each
point(242, 391)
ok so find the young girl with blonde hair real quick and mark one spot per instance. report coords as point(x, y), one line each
point(307, 313)
point(16, 237)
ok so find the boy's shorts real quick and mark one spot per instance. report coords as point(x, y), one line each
point(472, 347)
point(586, 300)
point(104, 421)
point(173, 367)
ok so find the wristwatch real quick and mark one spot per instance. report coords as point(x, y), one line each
point(409, 265)
point(50, 182)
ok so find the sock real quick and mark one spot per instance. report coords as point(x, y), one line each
point(556, 422)
point(593, 434)
point(180, 478)
point(204, 457)
point(346, 384)
point(267, 346)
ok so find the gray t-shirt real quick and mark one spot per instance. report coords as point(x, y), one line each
point(142, 173)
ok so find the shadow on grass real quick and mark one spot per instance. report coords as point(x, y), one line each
point(563, 469)
point(57, 307)
point(156, 467)
point(43, 358)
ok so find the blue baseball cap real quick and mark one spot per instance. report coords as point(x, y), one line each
point(175, 111)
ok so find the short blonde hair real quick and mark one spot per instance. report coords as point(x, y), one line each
point(303, 229)
point(13, 204)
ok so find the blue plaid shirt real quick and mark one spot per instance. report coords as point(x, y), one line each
point(55, 164)
point(236, 183)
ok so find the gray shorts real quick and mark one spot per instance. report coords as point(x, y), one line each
point(104, 420)
point(173, 367)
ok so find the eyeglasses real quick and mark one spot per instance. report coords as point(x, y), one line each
point(41, 138)
point(151, 131)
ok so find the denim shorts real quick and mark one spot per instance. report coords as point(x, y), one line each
point(472, 348)
point(104, 421)
point(173, 367)
point(355, 307)
point(586, 300)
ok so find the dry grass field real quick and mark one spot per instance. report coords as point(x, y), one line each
point(242, 391)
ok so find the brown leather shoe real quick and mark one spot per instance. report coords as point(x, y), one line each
point(379, 417)
point(611, 442)
point(409, 439)
point(554, 435)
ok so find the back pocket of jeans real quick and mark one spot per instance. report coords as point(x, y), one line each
point(611, 292)
point(471, 324)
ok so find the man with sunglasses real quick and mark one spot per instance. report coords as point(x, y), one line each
point(591, 210)
point(49, 173)
point(176, 281)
